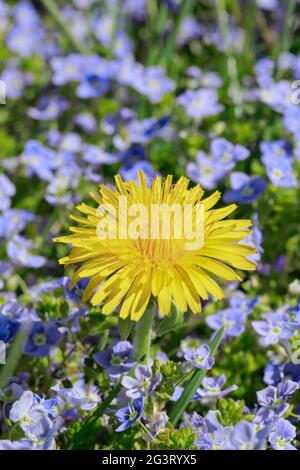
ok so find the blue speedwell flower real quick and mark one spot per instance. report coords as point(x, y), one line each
point(291, 121)
point(245, 437)
point(14, 221)
point(152, 82)
point(283, 434)
point(132, 173)
point(200, 358)
point(42, 338)
point(80, 395)
point(210, 169)
point(281, 173)
point(206, 171)
point(231, 319)
point(200, 103)
point(275, 327)
point(8, 328)
point(92, 86)
point(48, 108)
point(117, 359)
point(7, 190)
point(130, 414)
point(33, 417)
point(143, 384)
point(38, 160)
point(86, 121)
point(18, 251)
point(273, 401)
point(213, 387)
point(26, 411)
point(271, 395)
point(16, 81)
point(244, 189)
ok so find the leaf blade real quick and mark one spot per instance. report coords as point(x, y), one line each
point(193, 385)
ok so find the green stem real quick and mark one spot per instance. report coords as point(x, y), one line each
point(147, 432)
point(52, 8)
point(143, 332)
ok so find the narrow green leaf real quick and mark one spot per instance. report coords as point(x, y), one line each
point(14, 355)
point(170, 322)
point(193, 385)
point(184, 11)
point(125, 327)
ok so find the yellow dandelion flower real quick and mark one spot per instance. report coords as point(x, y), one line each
point(128, 271)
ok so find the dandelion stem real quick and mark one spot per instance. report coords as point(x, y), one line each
point(143, 334)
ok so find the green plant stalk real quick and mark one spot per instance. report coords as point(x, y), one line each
point(193, 385)
point(52, 8)
point(143, 331)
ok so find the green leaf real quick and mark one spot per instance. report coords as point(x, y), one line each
point(14, 355)
point(175, 439)
point(64, 308)
point(125, 327)
point(193, 385)
point(184, 11)
point(170, 322)
point(230, 411)
point(171, 372)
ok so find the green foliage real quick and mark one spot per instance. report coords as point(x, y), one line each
point(230, 412)
point(171, 373)
point(51, 306)
point(175, 439)
point(170, 322)
point(246, 363)
point(127, 440)
point(125, 327)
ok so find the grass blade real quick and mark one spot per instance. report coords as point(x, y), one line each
point(15, 353)
point(193, 385)
point(184, 11)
